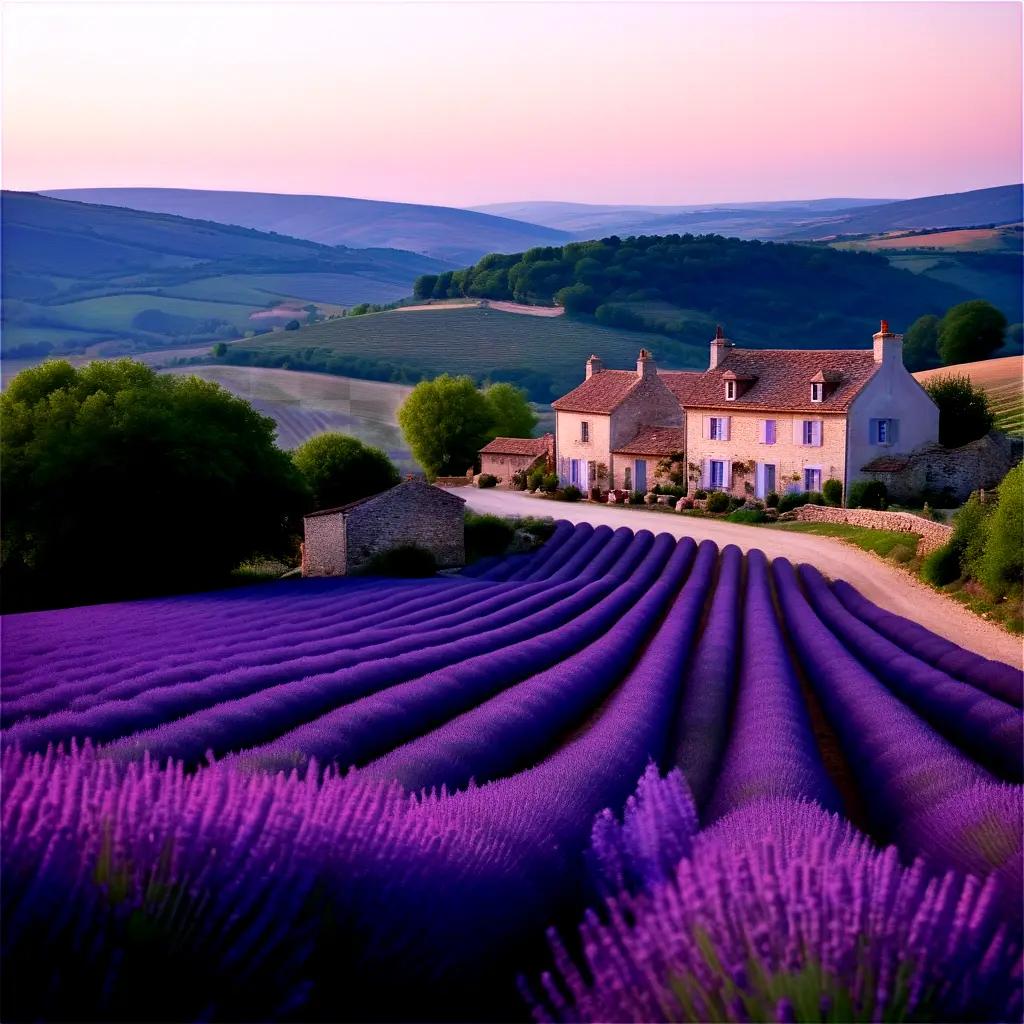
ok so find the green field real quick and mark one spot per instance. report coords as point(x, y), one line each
point(546, 355)
point(304, 404)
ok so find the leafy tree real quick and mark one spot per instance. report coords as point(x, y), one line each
point(424, 286)
point(1002, 561)
point(921, 344)
point(339, 469)
point(220, 350)
point(971, 331)
point(119, 481)
point(577, 298)
point(964, 414)
point(445, 422)
point(292, 325)
point(511, 415)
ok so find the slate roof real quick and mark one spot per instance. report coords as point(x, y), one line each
point(517, 446)
point(391, 491)
point(654, 441)
point(780, 379)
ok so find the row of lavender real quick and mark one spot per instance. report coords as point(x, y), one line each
point(550, 680)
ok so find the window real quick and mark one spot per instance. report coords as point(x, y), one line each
point(812, 478)
point(817, 392)
point(808, 432)
point(716, 429)
point(584, 431)
point(768, 432)
point(884, 432)
point(730, 391)
point(717, 474)
point(627, 478)
point(764, 479)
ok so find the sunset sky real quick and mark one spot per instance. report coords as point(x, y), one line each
point(465, 103)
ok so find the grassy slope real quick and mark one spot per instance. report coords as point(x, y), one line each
point(72, 267)
point(545, 353)
point(1003, 381)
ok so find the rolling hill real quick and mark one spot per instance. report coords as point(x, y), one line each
point(77, 276)
point(1001, 379)
point(445, 233)
point(545, 355)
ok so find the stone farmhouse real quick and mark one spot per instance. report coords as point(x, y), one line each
point(756, 421)
point(505, 456)
point(338, 541)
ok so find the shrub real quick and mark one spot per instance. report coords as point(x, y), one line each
point(486, 480)
point(487, 535)
point(867, 494)
point(970, 533)
point(571, 493)
point(405, 560)
point(1001, 564)
point(549, 483)
point(520, 480)
point(964, 414)
point(746, 515)
point(636, 497)
point(535, 479)
point(772, 499)
point(596, 494)
point(902, 553)
point(833, 491)
point(942, 566)
point(718, 502)
point(794, 499)
point(700, 494)
point(684, 503)
point(735, 503)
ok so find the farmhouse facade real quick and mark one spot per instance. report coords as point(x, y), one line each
point(340, 541)
point(505, 456)
point(756, 421)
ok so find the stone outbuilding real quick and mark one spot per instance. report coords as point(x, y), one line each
point(505, 456)
point(339, 541)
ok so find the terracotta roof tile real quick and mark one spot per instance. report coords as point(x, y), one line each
point(681, 383)
point(781, 379)
point(654, 441)
point(601, 393)
point(517, 446)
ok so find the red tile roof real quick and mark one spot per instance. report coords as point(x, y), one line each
point(655, 441)
point(886, 464)
point(681, 383)
point(517, 446)
point(782, 379)
point(601, 393)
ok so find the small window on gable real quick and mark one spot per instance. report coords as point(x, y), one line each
point(730, 391)
point(584, 430)
point(817, 392)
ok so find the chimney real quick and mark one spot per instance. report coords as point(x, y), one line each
point(645, 364)
point(719, 343)
point(594, 365)
point(888, 346)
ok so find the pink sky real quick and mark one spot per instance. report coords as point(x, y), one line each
point(466, 103)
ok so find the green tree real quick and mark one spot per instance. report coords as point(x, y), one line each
point(511, 415)
point(964, 414)
point(921, 344)
point(1002, 561)
point(119, 481)
point(339, 469)
point(424, 286)
point(292, 325)
point(577, 298)
point(445, 422)
point(219, 350)
point(971, 331)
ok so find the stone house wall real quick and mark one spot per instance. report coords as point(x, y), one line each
point(413, 512)
point(568, 445)
point(933, 535)
point(628, 462)
point(745, 445)
point(504, 467)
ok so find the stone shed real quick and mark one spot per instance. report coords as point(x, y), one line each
point(339, 541)
point(505, 456)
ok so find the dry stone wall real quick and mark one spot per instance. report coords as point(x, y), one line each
point(933, 535)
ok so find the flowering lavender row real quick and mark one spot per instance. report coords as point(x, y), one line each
point(771, 751)
point(780, 912)
point(991, 730)
point(924, 793)
point(993, 677)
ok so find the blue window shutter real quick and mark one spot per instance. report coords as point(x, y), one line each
point(872, 431)
point(894, 431)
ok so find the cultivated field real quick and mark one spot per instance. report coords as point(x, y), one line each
point(1003, 381)
point(997, 239)
point(544, 354)
point(304, 404)
point(208, 828)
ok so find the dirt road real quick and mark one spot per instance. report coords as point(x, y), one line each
point(887, 587)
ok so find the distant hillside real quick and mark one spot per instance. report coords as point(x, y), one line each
point(766, 294)
point(545, 355)
point(1001, 205)
point(77, 275)
point(446, 233)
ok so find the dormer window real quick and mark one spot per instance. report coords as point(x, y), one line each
point(817, 392)
point(730, 391)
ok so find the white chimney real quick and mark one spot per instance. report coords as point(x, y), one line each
point(719, 344)
point(594, 365)
point(645, 364)
point(888, 346)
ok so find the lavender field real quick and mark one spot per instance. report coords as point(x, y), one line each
point(623, 777)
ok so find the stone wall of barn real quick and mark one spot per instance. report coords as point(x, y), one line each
point(505, 466)
point(323, 547)
point(933, 535)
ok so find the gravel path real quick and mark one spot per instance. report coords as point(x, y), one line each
point(888, 587)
